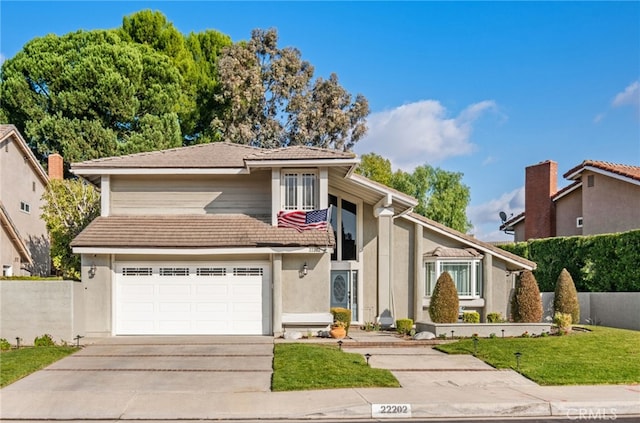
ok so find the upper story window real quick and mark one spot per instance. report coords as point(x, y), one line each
point(344, 221)
point(464, 266)
point(25, 207)
point(299, 191)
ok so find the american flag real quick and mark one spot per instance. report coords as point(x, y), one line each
point(304, 220)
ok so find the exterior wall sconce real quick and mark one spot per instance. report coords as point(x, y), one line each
point(304, 270)
point(92, 271)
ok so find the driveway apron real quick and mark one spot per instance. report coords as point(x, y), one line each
point(111, 371)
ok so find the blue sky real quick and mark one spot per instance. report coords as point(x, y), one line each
point(482, 88)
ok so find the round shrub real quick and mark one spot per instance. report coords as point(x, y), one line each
point(495, 317)
point(404, 326)
point(444, 300)
point(471, 317)
point(566, 297)
point(526, 304)
point(563, 321)
point(4, 345)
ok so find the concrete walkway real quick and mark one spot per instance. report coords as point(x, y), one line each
point(172, 378)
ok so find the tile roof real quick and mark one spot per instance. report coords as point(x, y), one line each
point(629, 171)
point(473, 242)
point(299, 152)
point(453, 253)
point(213, 155)
point(195, 231)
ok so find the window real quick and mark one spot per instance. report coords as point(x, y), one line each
point(25, 207)
point(579, 222)
point(466, 274)
point(174, 271)
point(344, 217)
point(211, 271)
point(248, 271)
point(136, 271)
point(299, 191)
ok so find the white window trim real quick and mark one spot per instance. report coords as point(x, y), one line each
point(579, 222)
point(25, 207)
point(299, 188)
point(438, 263)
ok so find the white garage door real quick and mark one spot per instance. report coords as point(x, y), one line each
point(191, 299)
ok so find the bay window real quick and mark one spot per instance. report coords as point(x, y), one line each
point(466, 274)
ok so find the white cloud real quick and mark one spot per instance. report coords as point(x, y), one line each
point(489, 160)
point(421, 132)
point(630, 96)
point(485, 217)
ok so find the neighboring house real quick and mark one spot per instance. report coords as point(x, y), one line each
point(603, 198)
point(24, 245)
point(188, 242)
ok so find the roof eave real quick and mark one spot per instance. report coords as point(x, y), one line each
point(250, 163)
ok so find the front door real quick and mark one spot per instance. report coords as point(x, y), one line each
point(344, 291)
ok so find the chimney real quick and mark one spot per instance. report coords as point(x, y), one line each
point(541, 183)
point(56, 166)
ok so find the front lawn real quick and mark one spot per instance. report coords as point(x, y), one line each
point(303, 366)
point(16, 364)
point(599, 356)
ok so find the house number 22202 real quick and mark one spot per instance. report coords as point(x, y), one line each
point(390, 410)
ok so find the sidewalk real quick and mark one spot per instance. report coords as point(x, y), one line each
point(434, 385)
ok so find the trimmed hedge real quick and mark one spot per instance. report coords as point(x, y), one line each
point(444, 300)
point(526, 304)
point(597, 263)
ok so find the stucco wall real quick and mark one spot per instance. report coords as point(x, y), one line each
point(19, 183)
point(610, 205)
point(613, 309)
point(32, 308)
point(403, 269)
point(568, 209)
point(310, 293)
point(370, 266)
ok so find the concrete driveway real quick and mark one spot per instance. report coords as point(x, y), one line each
point(110, 371)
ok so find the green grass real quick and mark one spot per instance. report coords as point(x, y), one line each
point(16, 364)
point(601, 356)
point(303, 366)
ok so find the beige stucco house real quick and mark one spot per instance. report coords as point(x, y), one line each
point(188, 242)
point(24, 242)
point(602, 198)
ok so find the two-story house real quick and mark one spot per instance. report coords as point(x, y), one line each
point(189, 242)
point(24, 242)
point(602, 198)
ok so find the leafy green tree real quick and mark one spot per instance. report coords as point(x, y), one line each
point(270, 99)
point(441, 194)
point(195, 56)
point(90, 94)
point(444, 304)
point(70, 205)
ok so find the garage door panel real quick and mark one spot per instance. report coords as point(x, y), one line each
point(192, 302)
point(216, 290)
point(143, 290)
point(177, 307)
point(174, 289)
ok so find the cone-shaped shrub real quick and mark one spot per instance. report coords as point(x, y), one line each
point(444, 300)
point(566, 297)
point(526, 304)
